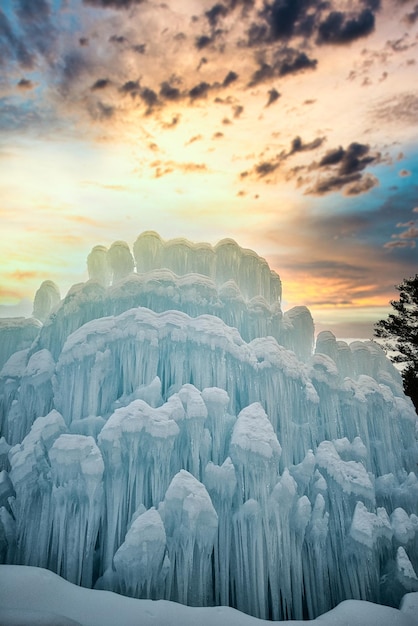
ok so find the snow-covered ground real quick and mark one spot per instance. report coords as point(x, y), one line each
point(32, 596)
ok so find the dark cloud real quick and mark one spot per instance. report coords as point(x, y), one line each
point(332, 157)
point(264, 73)
point(283, 20)
point(265, 168)
point(217, 135)
point(295, 62)
point(216, 13)
point(257, 34)
point(412, 17)
point(73, 66)
point(26, 84)
point(117, 39)
point(168, 92)
point(139, 48)
point(199, 91)
point(113, 4)
point(342, 28)
point(346, 167)
point(83, 41)
point(149, 97)
point(355, 158)
point(288, 17)
point(287, 61)
point(300, 146)
point(203, 41)
point(202, 62)
point(273, 96)
point(131, 87)
point(230, 78)
point(101, 83)
point(332, 183)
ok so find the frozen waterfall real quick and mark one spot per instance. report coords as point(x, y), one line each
point(166, 431)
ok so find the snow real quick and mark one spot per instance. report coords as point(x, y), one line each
point(50, 600)
point(173, 437)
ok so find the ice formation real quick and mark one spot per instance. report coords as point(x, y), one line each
point(168, 433)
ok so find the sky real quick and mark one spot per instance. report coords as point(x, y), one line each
point(287, 125)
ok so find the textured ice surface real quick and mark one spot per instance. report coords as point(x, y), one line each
point(169, 433)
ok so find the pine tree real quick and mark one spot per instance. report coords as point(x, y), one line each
point(400, 332)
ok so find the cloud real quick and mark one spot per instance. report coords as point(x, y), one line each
point(149, 97)
point(299, 146)
point(363, 185)
point(163, 168)
point(113, 4)
point(399, 109)
point(287, 61)
point(411, 233)
point(273, 96)
point(203, 41)
point(140, 48)
point(264, 73)
point(25, 84)
point(295, 62)
point(100, 111)
point(101, 83)
point(73, 65)
point(230, 78)
point(117, 39)
point(404, 173)
point(342, 28)
point(265, 168)
point(214, 14)
point(199, 91)
point(284, 19)
point(168, 92)
point(400, 244)
point(332, 183)
point(131, 87)
point(193, 139)
point(412, 17)
point(238, 110)
point(332, 157)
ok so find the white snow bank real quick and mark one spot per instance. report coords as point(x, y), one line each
point(48, 599)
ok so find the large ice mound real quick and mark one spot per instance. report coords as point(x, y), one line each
point(169, 433)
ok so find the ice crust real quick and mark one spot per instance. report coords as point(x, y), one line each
point(172, 435)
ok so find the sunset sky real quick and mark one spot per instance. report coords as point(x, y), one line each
point(288, 125)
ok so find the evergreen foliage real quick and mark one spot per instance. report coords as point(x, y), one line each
point(400, 332)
